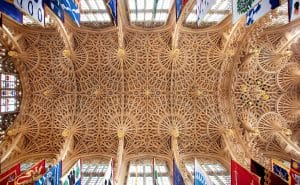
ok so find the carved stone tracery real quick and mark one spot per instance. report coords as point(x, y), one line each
point(213, 89)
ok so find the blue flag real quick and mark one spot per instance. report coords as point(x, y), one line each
point(179, 6)
point(200, 176)
point(112, 4)
point(260, 10)
point(34, 9)
point(52, 176)
point(281, 170)
point(11, 11)
point(177, 177)
point(55, 6)
point(72, 10)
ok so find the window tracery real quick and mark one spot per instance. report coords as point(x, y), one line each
point(142, 172)
point(10, 89)
point(93, 172)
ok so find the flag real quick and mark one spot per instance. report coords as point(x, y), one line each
point(33, 174)
point(72, 9)
point(155, 173)
point(56, 8)
point(295, 165)
point(281, 170)
point(241, 7)
point(295, 177)
point(200, 176)
point(73, 176)
point(293, 9)
point(112, 4)
point(108, 176)
point(260, 10)
point(203, 6)
point(240, 175)
point(11, 11)
point(179, 6)
point(155, 8)
point(34, 9)
point(52, 177)
point(8, 177)
point(177, 177)
point(266, 176)
point(184, 2)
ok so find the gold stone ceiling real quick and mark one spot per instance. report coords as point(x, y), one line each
point(223, 92)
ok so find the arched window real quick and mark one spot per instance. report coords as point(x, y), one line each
point(142, 172)
point(217, 173)
point(10, 92)
point(93, 172)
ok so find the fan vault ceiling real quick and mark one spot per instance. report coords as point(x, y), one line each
point(222, 91)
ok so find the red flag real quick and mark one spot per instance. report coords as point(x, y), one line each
point(33, 174)
point(295, 177)
point(184, 2)
point(8, 177)
point(242, 176)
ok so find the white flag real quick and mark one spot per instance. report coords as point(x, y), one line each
point(108, 177)
point(203, 6)
point(33, 8)
point(260, 10)
point(294, 12)
point(241, 7)
point(201, 177)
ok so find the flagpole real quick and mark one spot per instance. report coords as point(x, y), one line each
point(195, 171)
point(173, 172)
point(153, 172)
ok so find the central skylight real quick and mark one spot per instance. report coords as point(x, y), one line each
point(143, 13)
